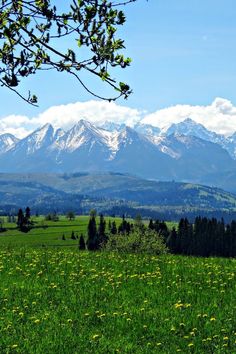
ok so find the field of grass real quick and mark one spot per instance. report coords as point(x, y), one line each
point(66, 301)
point(47, 233)
point(57, 299)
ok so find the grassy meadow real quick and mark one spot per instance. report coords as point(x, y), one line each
point(46, 233)
point(57, 299)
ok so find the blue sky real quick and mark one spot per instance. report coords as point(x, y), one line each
point(184, 52)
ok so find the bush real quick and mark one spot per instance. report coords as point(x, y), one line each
point(138, 241)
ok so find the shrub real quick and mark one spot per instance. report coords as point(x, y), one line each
point(138, 241)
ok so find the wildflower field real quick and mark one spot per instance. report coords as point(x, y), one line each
point(61, 300)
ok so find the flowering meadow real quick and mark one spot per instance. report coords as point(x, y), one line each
point(70, 301)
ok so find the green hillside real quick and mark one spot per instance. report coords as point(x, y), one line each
point(103, 191)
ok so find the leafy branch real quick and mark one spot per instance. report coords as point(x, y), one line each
point(31, 35)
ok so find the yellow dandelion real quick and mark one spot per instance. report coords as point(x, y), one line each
point(95, 336)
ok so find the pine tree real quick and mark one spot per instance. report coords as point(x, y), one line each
point(109, 225)
point(82, 246)
point(102, 231)
point(113, 228)
point(73, 237)
point(172, 241)
point(20, 218)
point(92, 241)
point(151, 225)
point(27, 214)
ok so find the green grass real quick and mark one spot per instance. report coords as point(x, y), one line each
point(57, 299)
point(46, 233)
point(65, 301)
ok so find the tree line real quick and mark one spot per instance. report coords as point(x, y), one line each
point(205, 237)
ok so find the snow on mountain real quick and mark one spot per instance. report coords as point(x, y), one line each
point(162, 143)
point(147, 129)
point(111, 126)
point(7, 141)
point(190, 128)
point(83, 133)
point(86, 147)
point(39, 139)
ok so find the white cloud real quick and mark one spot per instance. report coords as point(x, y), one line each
point(220, 116)
point(17, 125)
point(65, 116)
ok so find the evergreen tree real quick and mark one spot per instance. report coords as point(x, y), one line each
point(102, 231)
point(92, 241)
point(73, 236)
point(27, 214)
point(113, 228)
point(82, 246)
point(172, 241)
point(20, 218)
point(151, 225)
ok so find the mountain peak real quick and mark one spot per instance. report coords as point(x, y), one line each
point(45, 127)
point(189, 120)
point(83, 123)
point(191, 127)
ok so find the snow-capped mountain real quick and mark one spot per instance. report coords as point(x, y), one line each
point(39, 139)
point(86, 147)
point(7, 141)
point(190, 128)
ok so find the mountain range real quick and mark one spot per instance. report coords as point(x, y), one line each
point(184, 152)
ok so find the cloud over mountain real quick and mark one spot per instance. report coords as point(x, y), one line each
point(65, 116)
point(219, 116)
